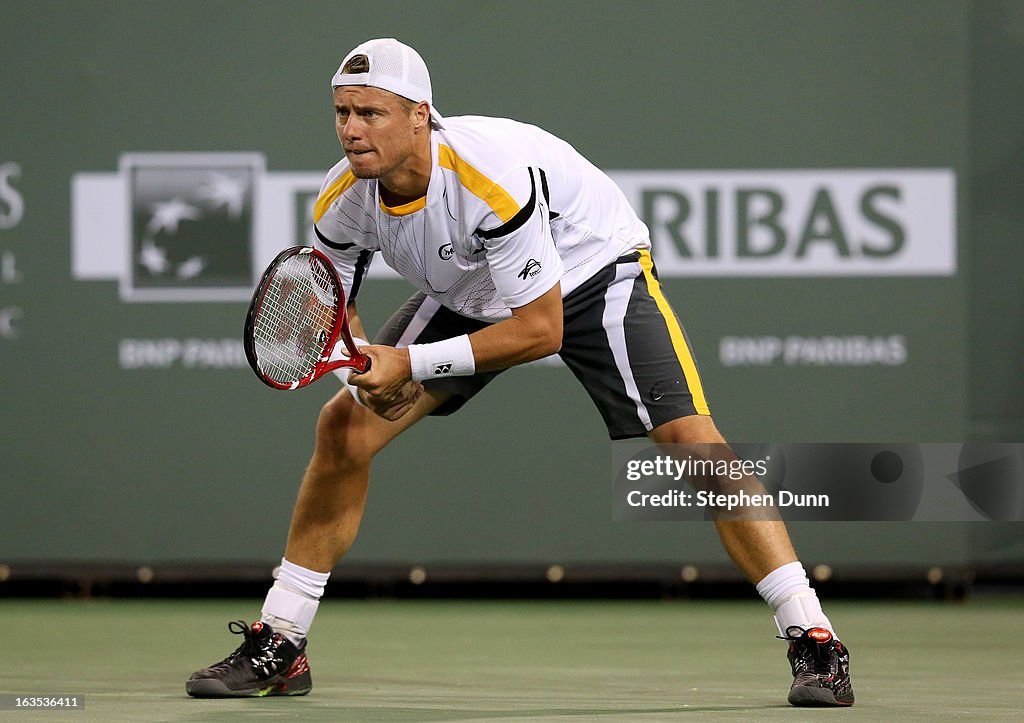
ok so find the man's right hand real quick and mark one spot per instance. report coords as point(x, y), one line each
point(387, 389)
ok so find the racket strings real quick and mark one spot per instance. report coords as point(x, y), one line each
point(295, 320)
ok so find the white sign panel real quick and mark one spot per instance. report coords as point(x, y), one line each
point(828, 222)
point(201, 226)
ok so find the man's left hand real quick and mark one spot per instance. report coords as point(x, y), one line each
point(387, 388)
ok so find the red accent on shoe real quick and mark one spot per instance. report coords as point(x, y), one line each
point(300, 666)
point(256, 626)
point(820, 635)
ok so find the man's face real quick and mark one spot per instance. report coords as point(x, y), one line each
point(376, 129)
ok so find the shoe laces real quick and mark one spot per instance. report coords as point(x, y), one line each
point(807, 654)
point(250, 646)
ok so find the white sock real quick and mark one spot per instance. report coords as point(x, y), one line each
point(293, 600)
point(790, 595)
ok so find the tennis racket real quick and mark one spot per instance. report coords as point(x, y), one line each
point(297, 326)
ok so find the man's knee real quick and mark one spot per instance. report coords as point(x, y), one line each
point(694, 429)
point(336, 413)
point(695, 438)
point(342, 430)
point(348, 431)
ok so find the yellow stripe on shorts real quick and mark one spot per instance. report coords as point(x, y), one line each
point(676, 332)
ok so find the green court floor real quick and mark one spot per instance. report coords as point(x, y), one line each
point(518, 661)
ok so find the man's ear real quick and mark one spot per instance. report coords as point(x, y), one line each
point(421, 115)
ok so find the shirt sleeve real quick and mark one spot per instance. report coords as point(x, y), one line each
point(336, 232)
point(521, 253)
point(350, 261)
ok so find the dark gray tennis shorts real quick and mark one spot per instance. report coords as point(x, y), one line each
point(621, 339)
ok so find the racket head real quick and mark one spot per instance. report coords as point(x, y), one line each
point(295, 320)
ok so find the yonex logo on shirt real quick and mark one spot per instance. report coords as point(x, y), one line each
point(531, 269)
point(445, 252)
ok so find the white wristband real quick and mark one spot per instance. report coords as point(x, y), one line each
point(448, 358)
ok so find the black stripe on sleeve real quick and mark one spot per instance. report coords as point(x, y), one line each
point(331, 244)
point(360, 271)
point(552, 215)
point(544, 186)
point(517, 221)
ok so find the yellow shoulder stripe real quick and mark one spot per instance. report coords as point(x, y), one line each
point(478, 184)
point(331, 193)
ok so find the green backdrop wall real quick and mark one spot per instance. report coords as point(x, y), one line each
point(832, 186)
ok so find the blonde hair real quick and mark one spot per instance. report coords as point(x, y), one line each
point(356, 64)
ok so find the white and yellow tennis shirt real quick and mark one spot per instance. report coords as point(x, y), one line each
point(510, 210)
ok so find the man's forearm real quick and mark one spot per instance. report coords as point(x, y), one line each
point(532, 332)
point(355, 324)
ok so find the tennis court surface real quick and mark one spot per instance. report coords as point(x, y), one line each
point(511, 661)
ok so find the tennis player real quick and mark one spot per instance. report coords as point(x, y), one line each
point(518, 248)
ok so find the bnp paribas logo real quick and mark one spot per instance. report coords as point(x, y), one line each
point(192, 224)
point(171, 226)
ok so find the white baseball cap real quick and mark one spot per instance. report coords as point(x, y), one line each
point(394, 67)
